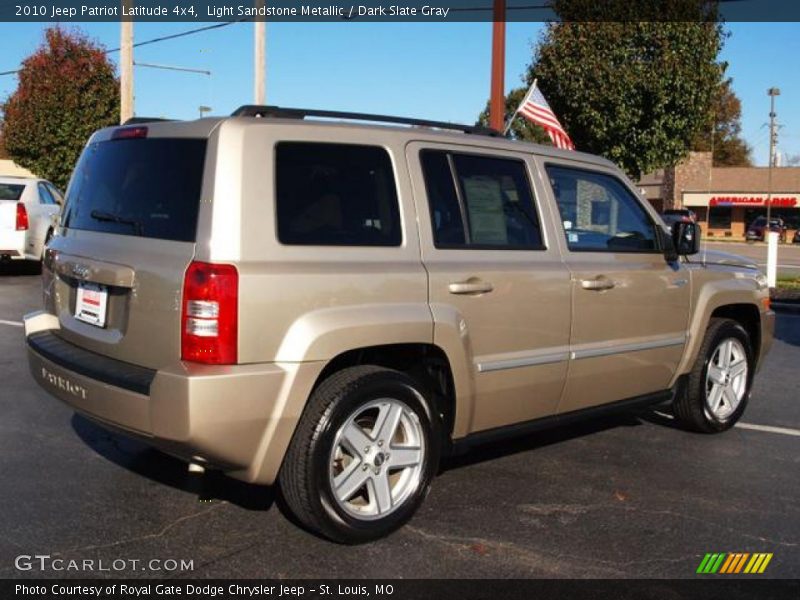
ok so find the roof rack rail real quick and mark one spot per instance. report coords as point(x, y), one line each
point(140, 120)
point(277, 112)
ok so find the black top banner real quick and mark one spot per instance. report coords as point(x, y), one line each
point(66, 11)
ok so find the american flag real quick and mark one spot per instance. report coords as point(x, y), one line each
point(536, 109)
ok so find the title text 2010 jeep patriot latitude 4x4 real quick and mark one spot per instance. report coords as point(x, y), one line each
point(332, 306)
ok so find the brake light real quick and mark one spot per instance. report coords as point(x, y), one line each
point(126, 133)
point(22, 217)
point(209, 317)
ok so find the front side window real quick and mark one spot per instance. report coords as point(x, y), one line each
point(599, 214)
point(336, 195)
point(480, 202)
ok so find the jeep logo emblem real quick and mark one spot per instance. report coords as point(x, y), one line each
point(62, 383)
point(81, 271)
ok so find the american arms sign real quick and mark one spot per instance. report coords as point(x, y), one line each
point(744, 199)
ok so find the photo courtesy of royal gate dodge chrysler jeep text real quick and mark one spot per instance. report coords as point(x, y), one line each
point(334, 306)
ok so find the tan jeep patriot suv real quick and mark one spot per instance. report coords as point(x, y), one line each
point(333, 305)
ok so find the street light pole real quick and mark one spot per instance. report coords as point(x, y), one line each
point(771, 236)
point(497, 103)
point(773, 138)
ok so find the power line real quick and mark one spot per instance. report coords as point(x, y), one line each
point(181, 34)
point(163, 38)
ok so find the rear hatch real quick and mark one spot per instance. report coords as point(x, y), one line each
point(128, 235)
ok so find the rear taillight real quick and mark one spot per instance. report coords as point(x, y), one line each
point(22, 217)
point(209, 319)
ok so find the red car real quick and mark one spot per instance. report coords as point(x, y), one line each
point(758, 229)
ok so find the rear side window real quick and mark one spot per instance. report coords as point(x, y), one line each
point(148, 187)
point(11, 191)
point(480, 202)
point(335, 195)
point(45, 197)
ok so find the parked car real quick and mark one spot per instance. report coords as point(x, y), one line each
point(334, 306)
point(681, 212)
point(671, 218)
point(758, 229)
point(29, 213)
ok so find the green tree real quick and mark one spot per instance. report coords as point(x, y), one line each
point(634, 90)
point(724, 119)
point(67, 90)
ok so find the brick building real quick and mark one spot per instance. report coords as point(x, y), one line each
point(726, 199)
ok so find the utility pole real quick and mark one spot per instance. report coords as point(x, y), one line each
point(126, 109)
point(497, 101)
point(773, 139)
point(260, 51)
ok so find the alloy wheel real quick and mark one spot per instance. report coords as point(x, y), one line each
point(377, 458)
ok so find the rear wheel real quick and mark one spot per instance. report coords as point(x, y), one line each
point(718, 388)
point(363, 455)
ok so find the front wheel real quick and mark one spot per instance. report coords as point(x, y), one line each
point(363, 456)
point(718, 387)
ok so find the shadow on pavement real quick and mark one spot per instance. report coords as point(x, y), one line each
point(162, 468)
point(554, 435)
point(788, 329)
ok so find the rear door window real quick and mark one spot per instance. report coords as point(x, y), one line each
point(11, 191)
point(336, 195)
point(480, 202)
point(149, 187)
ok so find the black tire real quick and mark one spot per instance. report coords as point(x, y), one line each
point(690, 406)
point(304, 477)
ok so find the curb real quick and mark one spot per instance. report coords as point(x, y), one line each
point(786, 307)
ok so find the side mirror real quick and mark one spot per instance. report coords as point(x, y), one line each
point(670, 255)
point(686, 238)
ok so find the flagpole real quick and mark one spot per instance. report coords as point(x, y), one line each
point(524, 100)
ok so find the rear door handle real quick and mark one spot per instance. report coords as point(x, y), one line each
point(470, 287)
point(598, 285)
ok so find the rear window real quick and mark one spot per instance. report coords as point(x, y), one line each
point(336, 195)
point(147, 187)
point(11, 191)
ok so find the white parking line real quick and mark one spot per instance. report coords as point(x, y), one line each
point(752, 426)
point(12, 323)
point(769, 429)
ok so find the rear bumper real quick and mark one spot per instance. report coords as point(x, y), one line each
point(238, 419)
point(12, 244)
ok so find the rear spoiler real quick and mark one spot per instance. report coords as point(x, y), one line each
point(140, 120)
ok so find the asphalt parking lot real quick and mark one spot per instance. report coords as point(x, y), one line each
point(630, 496)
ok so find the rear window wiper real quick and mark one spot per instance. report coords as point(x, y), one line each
point(100, 215)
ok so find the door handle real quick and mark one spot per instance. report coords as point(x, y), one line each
point(597, 285)
point(470, 286)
